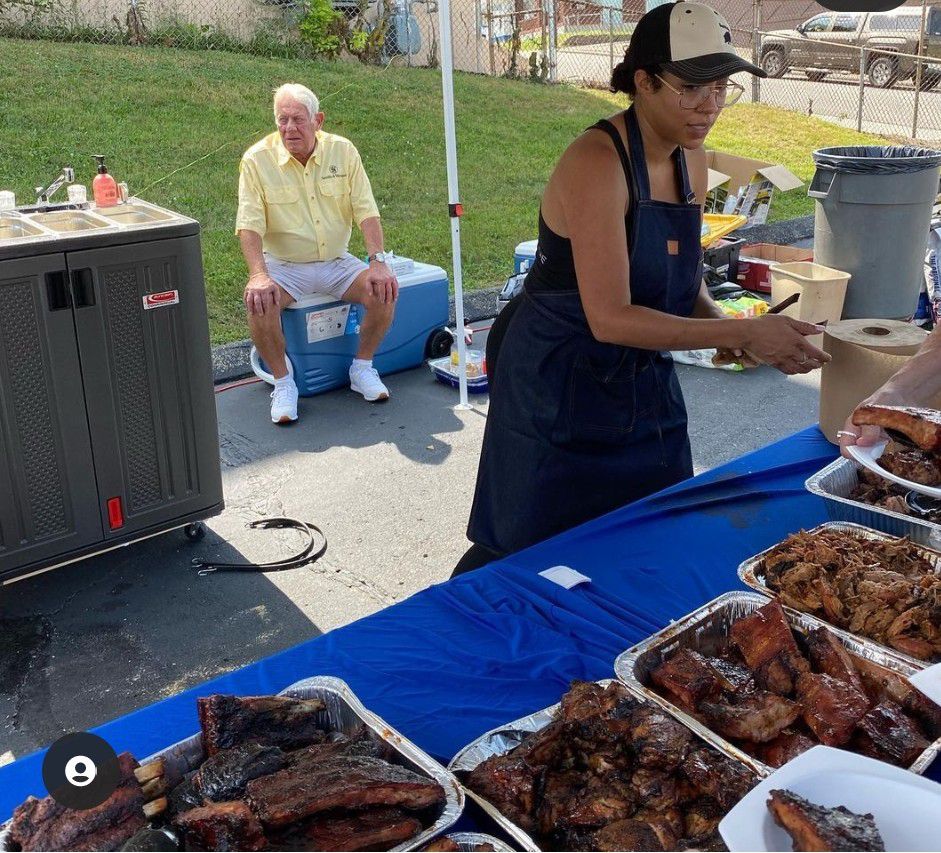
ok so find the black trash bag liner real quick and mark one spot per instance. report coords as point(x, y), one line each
point(877, 159)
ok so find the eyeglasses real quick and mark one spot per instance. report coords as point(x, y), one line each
point(692, 97)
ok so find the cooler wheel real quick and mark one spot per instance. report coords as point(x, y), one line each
point(439, 344)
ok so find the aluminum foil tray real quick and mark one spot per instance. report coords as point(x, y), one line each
point(752, 574)
point(471, 840)
point(705, 630)
point(504, 738)
point(836, 482)
point(344, 713)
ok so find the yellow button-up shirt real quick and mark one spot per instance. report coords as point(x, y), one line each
point(304, 213)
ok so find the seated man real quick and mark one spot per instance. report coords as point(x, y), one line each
point(300, 191)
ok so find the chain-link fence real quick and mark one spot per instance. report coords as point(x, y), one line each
point(835, 66)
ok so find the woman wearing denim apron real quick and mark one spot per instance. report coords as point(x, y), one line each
point(586, 412)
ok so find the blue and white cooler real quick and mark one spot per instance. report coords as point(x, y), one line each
point(321, 333)
point(524, 256)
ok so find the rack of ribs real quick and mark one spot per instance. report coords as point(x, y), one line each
point(377, 829)
point(223, 776)
point(768, 646)
point(814, 827)
point(888, 734)
point(275, 720)
point(920, 426)
point(832, 708)
point(46, 825)
point(693, 677)
point(339, 782)
point(829, 656)
point(221, 826)
point(758, 717)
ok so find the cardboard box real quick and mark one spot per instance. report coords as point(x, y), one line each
point(745, 186)
point(755, 262)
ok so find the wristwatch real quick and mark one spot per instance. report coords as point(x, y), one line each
point(382, 257)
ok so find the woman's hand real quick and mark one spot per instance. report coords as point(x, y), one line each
point(781, 342)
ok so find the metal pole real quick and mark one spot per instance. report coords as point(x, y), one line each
point(408, 33)
point(450, 147)
point(862, 89)
point(919, 68)
point(756, 50)
point(493, 63)
point(553, 42)
point(478, 24)
point(610, 45)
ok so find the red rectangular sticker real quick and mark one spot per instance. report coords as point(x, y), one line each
point(161, 300)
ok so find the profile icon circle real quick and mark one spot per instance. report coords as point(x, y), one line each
point(80, 771)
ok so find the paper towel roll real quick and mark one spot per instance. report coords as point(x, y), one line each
point(865, 354)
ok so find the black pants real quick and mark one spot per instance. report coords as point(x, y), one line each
point(475, 557)
point(496, 335)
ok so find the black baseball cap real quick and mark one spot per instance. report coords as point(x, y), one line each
point(691, 40)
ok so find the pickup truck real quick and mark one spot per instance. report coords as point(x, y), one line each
point(832, 41)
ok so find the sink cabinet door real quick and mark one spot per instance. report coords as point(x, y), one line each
point(48, 497)
point(148, 381)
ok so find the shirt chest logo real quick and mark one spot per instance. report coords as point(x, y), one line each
point(673, 247)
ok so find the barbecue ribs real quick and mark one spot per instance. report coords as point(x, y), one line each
point(888, 734)
point(275, 720)
point(758, 717)
point(376, 829)
point(783, 748)
point(918, 466)
point(765, 640)
point(828, 655)
point(339, 782)
point(223, 776)
point(221, 826)
point(831, 707)
point(46, 825)
point(921, 426)
point(814, 827)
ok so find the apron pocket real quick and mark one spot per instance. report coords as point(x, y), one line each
point(604, 404)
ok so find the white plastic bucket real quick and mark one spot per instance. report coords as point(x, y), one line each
point(822, 291)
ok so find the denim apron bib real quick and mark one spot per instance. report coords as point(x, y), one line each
point(577, 427)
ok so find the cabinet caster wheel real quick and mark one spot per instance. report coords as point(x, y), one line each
point(195, 531)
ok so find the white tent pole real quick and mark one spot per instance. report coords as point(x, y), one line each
point(454, 205)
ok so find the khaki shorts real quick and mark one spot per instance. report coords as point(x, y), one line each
point(330, 278)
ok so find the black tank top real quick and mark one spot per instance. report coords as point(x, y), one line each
point(554, 266)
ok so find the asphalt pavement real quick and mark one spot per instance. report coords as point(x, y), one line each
point(391, 486)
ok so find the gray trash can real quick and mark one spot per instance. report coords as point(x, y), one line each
point(872, 218)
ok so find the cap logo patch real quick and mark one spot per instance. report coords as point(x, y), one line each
point(727, 35)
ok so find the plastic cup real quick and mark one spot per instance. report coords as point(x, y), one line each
point(7, 200)
point(78, 194)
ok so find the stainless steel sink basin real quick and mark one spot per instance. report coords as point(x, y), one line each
point(69, 220)
point(12, 227)
point(133, 213)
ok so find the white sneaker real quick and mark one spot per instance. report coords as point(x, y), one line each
point(284, 403)
point(366, 381)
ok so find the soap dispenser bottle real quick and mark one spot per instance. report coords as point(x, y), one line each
point(104, 186)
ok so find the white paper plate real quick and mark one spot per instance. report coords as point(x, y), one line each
point(868, 456)
point(906, 807)
point(928, 681)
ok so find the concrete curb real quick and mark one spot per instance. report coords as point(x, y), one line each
point(231, 361)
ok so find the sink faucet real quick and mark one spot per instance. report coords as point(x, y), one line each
point(66, 176)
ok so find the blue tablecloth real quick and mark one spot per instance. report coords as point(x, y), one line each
point(465, 656)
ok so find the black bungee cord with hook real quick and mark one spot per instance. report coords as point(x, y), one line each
point(307, 556)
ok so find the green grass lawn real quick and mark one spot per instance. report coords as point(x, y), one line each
point(174, 123)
